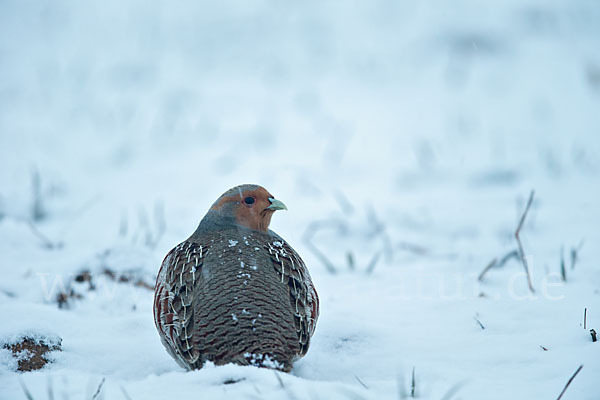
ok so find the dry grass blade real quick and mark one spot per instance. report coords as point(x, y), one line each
point(498, 264)
point(285, 388)
point(95, 396)
point(161, 224)
point(125, 394)
point(401, 387)
point(413, 384)
point(373, 263)
point(563, 271)
point(490, 265)
point(50, 389)
point(344, 203)
point(575, 253)
point(317, 253)
point(25, 390)
point(452, 391)
point(569, 382)
point(46, 243)
point(508, 256)
point(350, 259)
point(347, 393)
point(1, 208)
point(77, 214)
point(361, 382)
point(38, 211)
point(377, 227)
point(413, 248)
point(480, 324)
point(279, 380)
point(521, 251)
point(312, 229)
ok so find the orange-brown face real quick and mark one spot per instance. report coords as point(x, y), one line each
point(251, 208)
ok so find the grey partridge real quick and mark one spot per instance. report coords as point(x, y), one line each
point(235, 291)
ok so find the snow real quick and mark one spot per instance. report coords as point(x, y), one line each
point(408, 133)
point(264, 359)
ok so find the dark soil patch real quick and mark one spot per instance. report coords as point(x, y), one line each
point(31, 354)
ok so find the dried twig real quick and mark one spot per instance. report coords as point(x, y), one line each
point(585, 318)
point(543, 348)
point(593, 333)
point(569, 382)
point(521, 251)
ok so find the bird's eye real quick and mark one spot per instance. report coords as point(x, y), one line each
point(249, 200)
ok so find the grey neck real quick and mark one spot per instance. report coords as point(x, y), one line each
point(216, 221)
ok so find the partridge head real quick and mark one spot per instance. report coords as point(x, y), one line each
point(249, 206)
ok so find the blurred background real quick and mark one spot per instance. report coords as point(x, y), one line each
point(112, 107)
point(361, 96)
point(400, 134)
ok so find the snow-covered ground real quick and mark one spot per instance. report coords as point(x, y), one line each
point(409, 133)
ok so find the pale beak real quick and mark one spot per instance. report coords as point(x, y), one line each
point(276, 205)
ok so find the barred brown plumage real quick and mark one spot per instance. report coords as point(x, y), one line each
point(235, 291)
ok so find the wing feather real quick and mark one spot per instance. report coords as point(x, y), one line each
point(303, 296)
point(174, 302)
